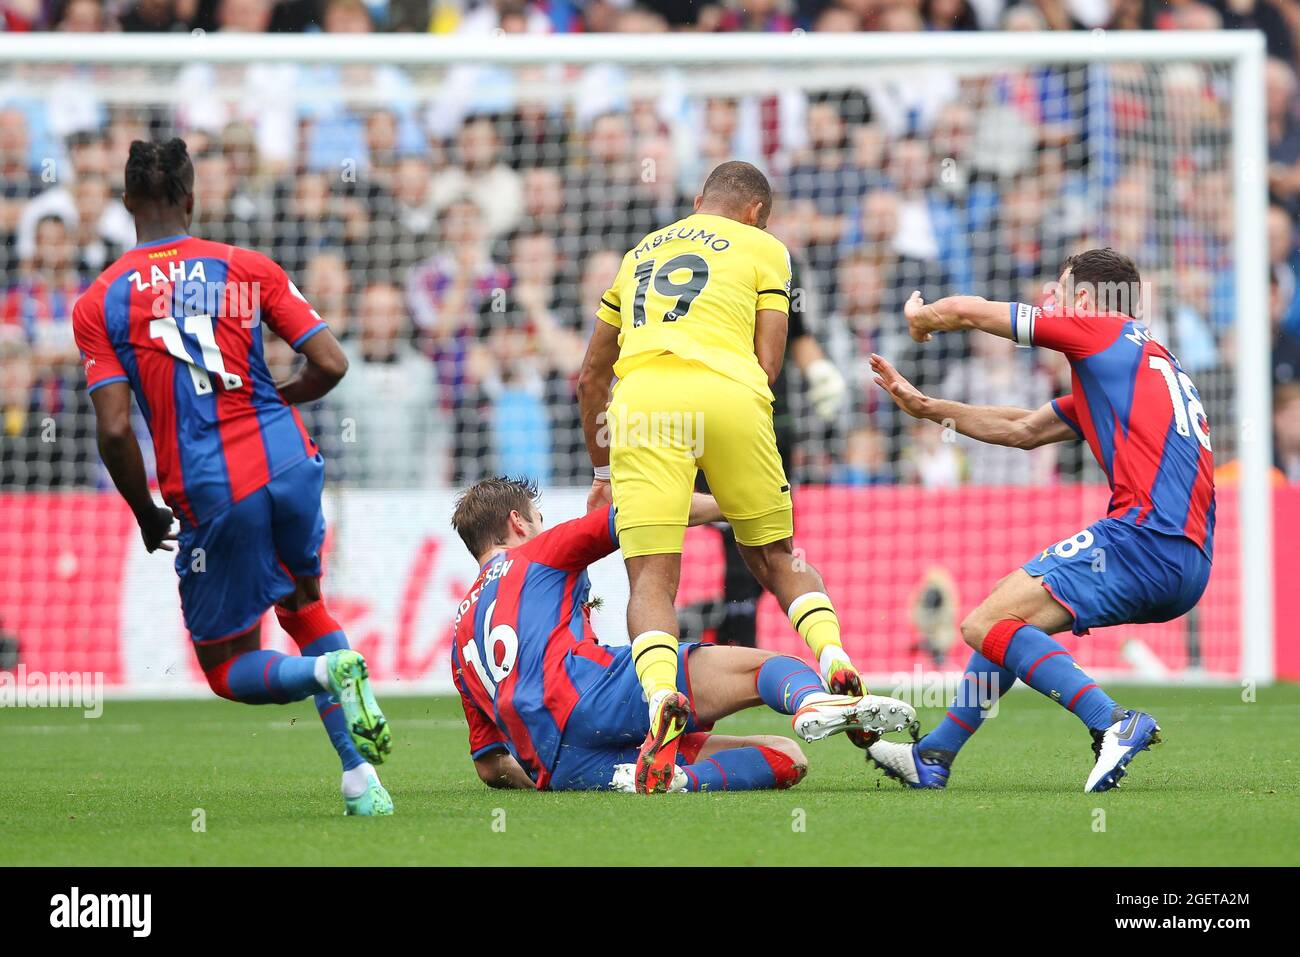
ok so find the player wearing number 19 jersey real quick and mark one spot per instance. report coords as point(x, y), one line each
point(694, 325)
point(176, 324)
point(1148, 560)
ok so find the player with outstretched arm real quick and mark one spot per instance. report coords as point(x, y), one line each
point(177, 322)
point(1148, 560)
point(694, 327)
point(550, 708)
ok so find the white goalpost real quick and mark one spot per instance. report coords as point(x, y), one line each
point(355, 161)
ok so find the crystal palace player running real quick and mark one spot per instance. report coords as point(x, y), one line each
point(1141, 416)
point(550, 708)
point(176, 321)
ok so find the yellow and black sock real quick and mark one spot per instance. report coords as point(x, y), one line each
point(654, 656)
point(813, 616)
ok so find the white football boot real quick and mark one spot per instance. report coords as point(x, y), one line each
point(624, 780)
point(825, 714)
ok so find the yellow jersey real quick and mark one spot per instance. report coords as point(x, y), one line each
point(693, 289)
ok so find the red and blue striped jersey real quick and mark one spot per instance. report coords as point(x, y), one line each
point(523, 650)
point(1140, 414)
point(180, 320)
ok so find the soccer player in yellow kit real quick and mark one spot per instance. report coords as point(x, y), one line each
point(694, 328)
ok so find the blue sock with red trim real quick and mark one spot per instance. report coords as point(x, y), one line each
point(1040, 662)
point(981, 686)
point(265, 677)
point(784, 683)
point(316, 632)
point(744, 769)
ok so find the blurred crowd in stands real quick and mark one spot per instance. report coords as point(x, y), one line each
point(457, 235)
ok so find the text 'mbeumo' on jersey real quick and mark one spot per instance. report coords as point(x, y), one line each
point(180, 319)
point(1140, 414)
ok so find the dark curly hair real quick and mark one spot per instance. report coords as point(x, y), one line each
point(159, 172)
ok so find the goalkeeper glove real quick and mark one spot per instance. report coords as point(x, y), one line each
point(826, 388)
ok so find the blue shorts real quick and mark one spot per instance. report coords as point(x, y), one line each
point(1117, 573)
point(610, 722)
point(236, 566)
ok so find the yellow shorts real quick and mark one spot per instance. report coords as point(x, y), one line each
point(667, 419)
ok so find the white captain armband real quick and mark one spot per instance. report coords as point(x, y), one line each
point(1023, 317)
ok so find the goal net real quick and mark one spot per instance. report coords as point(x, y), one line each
point(455, 211)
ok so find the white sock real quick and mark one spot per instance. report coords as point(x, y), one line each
point(322, 673)
point(356, 781)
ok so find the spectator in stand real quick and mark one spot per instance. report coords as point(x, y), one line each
point(480, 174)
point(1283, 134)
point(556, 341)
point(446, 293)
point(931, 458)
point(309, 221)
point(837, 19)
point(209, 99)
point(414, 210)
point(943, 15)
point(39, 299)
point(865, 320)
point(1262, 15)
point(87, 157)
point(81, 16)
point(36, 309)
point(486, 16)
point(1283, 258)
point(394, 434)
point(18, 182)
point(23, 456)
point(827, 174)
point(327, 285)
point(1286, 430)
point(155, 16)
point(94, 250)
point(755, 16)
point(1000, 375)
point(604, 203)
point(543, 189)
point(1286, 345)
point(214, 215)
point(865, 461)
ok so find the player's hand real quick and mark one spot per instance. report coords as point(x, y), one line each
point(600, 494)
point(918, 315)
point(826, 388)
point(156, 530)
point(905, 395)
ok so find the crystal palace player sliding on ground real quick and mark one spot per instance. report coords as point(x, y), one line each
point(550, 708)
point(177, 321)
point(1147, 560)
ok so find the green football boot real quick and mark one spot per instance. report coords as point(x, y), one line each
point(349, 682)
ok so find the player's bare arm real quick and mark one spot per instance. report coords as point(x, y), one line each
point(770, 327)
point(121, 454)
point(956, 314)
point(996, 425)
point(325, 368)
point(593, 397)
point(499, 769)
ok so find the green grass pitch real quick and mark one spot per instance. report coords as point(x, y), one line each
point(125, 789)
